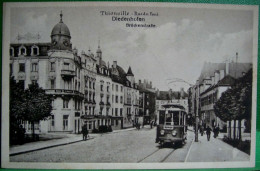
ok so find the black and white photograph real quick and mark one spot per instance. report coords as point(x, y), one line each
point(128, 85)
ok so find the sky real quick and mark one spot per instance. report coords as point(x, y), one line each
point(182, 41)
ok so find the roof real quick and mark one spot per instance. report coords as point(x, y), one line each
point(235, 69)
point(121, 77)
point(60, 28)
point(227, 80)
point(129, 72)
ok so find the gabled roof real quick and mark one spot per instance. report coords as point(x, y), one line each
point(226, 81)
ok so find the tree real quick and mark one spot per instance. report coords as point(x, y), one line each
point(235, 103)
point(37, 105)
point(30, 105)
point(222, 108)
point(16, 112)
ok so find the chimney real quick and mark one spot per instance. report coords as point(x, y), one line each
point(216, 77)
point(151, 84)
point(182, 92)
point(222, 74)
point(212, 80)
point(227, 67)
point(114, 64)
point(170, 93)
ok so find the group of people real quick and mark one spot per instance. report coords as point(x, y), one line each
point(208, 131)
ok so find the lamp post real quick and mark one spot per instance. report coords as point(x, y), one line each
point(196, 100)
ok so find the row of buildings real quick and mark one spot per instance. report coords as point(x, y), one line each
point(84, 88)
point(215, 78)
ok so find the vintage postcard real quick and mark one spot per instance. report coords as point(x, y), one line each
point(128, 85)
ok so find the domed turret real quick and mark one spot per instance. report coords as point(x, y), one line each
point(60, 36)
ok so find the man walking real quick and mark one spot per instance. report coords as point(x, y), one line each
point(208, 132)
point(85, 132)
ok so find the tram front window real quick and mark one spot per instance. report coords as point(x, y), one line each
point(172, 118)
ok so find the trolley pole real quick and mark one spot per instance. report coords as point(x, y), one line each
point(197, 115)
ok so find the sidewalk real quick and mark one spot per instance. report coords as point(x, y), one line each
point(214, 150)
point(67, 139)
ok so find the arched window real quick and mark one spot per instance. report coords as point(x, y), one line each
point(22, 50)
point(34, 50)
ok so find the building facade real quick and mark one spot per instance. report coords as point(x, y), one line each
point(165, 97)
point(84, 88)
point(215, 79)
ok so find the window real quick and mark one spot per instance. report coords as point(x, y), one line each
point(116, 99)
point(52, 84)
point(11, 68)
point(11, 51)
point(22, 67)
point(52, 66)
point(107, 99)
point(116, 111)
point(112, 111)
point(35, 51)
point(121, 88)
point(65, 103)
point(34, 67)
point(52, 120)
point(101, 87)
point(121, 99)
point(89, 84)
point(112, 87)
point(66, 66)
point(107, 88)
point(112, 98)
point(116, 87)
point(121, 111)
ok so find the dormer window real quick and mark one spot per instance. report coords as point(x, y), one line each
point(34, 50)
point(12, 51)
point(22, 50)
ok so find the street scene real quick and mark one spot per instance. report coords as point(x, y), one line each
point(140, 148)
point(102, 85)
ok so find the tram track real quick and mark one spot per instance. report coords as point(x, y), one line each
point(167, 156)
point(154, 153)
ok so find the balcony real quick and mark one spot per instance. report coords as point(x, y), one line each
point(67, 73)
point(87, 117)
point(63, 92)
point(101, 104)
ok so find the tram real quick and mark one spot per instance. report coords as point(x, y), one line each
point(172, 126)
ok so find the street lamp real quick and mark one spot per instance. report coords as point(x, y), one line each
point(197, 102)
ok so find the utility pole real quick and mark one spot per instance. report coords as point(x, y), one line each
point(197, 113)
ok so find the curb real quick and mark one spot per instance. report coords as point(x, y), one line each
point(43, 148)
point(62, 144)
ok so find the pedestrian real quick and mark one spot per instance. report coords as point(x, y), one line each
point(151, 124)
point(85, 132)
point(201, 130)
point(208, 132)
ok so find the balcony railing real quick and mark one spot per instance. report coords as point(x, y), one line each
point(64, 92)
point(67, 73)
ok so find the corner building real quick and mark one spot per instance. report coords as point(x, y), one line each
point(84, 89)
